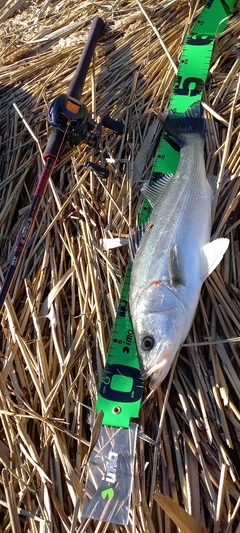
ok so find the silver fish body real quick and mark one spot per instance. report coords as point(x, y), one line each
point(173, 259)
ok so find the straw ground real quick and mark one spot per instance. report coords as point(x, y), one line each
point(56, 326)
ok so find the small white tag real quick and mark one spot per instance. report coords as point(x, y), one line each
point(109, 244)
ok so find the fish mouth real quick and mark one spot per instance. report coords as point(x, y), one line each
point(156, 379)
point(161, 366)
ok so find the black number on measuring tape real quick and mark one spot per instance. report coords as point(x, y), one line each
point(187, 88)
point(123, 308)
point(118, 375)
point(209, 3)
point(147, 209)
point(167, 137)
point(199, 40)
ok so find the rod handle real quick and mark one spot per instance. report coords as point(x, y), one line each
point(76, 86)
point(56, 142)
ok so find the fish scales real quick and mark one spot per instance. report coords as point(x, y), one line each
point(177, 210)
point(175, 254)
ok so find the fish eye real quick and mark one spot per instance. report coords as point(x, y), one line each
point(147, 343)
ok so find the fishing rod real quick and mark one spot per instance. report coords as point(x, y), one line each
point(71, 124)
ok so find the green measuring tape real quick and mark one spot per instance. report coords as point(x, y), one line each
point(121, 386)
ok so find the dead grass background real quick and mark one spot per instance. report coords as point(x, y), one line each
point(55, 329)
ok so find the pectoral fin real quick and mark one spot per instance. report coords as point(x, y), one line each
point(213, 253)
point(176, 274)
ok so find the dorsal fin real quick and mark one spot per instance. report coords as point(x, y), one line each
point(135, 237)
point(153, 191)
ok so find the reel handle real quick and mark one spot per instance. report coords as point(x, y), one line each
point(117, 126)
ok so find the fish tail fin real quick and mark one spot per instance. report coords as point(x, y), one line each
point(180, 125)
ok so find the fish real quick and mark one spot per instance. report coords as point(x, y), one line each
point(175, 254)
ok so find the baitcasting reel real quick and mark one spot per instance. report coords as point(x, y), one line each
point(71, 117)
